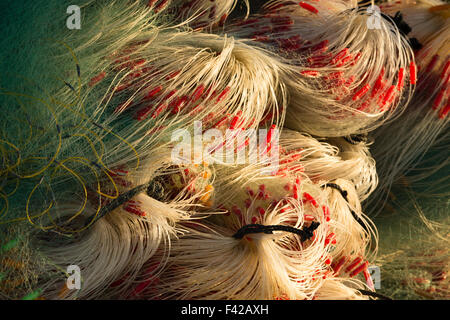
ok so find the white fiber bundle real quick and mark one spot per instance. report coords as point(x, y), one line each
point(114, 238)
point(198, 14)
point(185, 76)
point(208, 263)
point(216, 259)
point(341, 73)
point(402, 144)
point(333, 158)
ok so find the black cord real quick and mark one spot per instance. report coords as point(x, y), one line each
point(338, 188)
point(305, 233)
point(415, 44)
point(400, 23)
point(404, 28)
point(374, 294)
point(153, 188)
point(356, 138)
point(344, 195)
